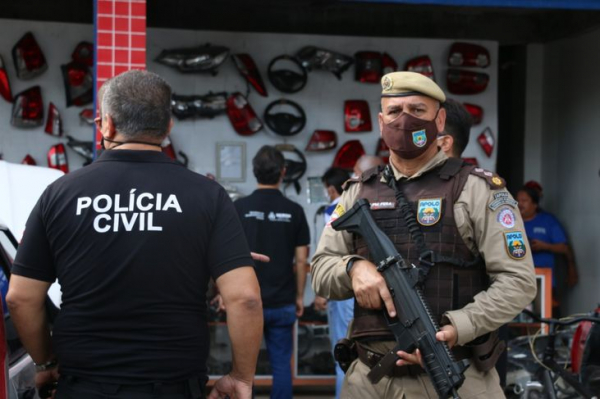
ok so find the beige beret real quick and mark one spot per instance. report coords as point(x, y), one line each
point(402, 84)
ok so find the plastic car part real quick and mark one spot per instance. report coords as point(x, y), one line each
point(167, 148)
point(468, 55)
point(79, 83)
point(348, 154)
point(285, 123)
point(369, 67)
point(28, 160)
point(28, 57)
point(204, 106)
point(287, 80)
point(243, 118)
point(294, 170)
point(383, 151)
point(389, 64)
point(57, 158)
point(422, 65)
point(471, 160)
point(466, 82)
point(246, 66)
point(5, 91)
point(87, 116)
point(28, 108)
point(83, 148)
point(195, 59)
point(54, 122)
point(84, 54)
point(357, 116)
point(322, 140)
point(317, 58)
point(487, 141)
point(476, 112)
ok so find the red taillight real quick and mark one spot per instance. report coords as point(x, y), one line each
point(476, 112)
point(245, 64)
point(28, 160)
point(84, 54)
point(487, 141)
point(78, 83)
point(389, 64)
point(466, 82)
point(4, 83)
point(472, 161)
point(368, 66)
point(357, 116)
point(322, 140)
point(468, 55)
point(168, 149)
point(421, 65)
point(54, 123)
point(28, 108)
point(29, 58)
point(87, 116)
point(348, 154)
point(57, 158)
point(383, 151)
point(243, 118)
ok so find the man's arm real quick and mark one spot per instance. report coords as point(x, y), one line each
point(25, 300)
point(301, 254)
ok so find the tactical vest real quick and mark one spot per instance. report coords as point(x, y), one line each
point(447, 286)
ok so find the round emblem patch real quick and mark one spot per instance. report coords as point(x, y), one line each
point(387, 83)
point(506, 218)
point(497, 181)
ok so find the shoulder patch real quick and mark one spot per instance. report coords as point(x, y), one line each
point(502, 198)
point(515, 245)
point(494, 181)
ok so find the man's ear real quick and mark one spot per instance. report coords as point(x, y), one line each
point(171, 124)
point(440, 121)
point(446, 142)
point(109, 130)
point(380, 120)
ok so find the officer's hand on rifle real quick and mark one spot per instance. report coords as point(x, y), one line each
point(446, 334)
point(370, 288)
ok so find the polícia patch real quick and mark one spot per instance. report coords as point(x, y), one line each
point(506, 218)
point(502, 198)
point(429, 211)
point(515, 244)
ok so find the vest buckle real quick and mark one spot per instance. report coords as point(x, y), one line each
point(426, 259)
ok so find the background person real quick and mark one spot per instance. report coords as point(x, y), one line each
point(455, 137)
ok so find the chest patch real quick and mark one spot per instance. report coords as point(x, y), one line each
point(515, 245)
point(506, 218)
point(429, 211)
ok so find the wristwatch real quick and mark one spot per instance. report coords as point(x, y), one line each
point(49, 365)
point(350, 264)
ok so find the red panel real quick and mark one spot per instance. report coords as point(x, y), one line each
point(105, 39)
point(105, 23)
point(122, 56)
point(105, 7)
point(138, 25)
point(104, 71)
point(122, 24)
point(122, 8)
point(104, 55)
point(138, 9)
point(119, 69)
point(138, 42)
point(138, 57)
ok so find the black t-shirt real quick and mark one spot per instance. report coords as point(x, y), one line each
point(133, 239)
point(274, 226)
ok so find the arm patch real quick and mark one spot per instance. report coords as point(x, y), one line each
point(493, 180)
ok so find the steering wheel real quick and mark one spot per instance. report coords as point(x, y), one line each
point(286, 80)
point(285, 123)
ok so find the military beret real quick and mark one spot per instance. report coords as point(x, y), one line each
point(402, 84)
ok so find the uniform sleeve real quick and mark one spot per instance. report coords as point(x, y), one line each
point(303, 237)
point(228, 248)
point(34, 258)
point(328, 267)
point(498, 233)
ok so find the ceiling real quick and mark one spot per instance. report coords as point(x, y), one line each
point(335, 17)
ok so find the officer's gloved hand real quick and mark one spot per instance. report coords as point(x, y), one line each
point(369, 287)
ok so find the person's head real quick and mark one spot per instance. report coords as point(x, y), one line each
point(268, 166)
point(333, 179)
point(455, 137)
point(135, 106)
point(529, 201)
point(411, 115)
point(366, 162)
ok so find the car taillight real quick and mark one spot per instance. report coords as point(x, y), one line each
point(348, 154)
point(87, 116)
point(243, 118)
point(389, 64)
point(54, 123)
point(421, 65)
point(468, 55)
point(322, 140)
point(476, 112)
point(28, 108)
point(466, 82)
point(28, 160)
point(245, 64)
point(78, 83)
point(383, 151)
point(357, 116)
point(486, 141)
point(84, 54)
point(368, 66)
point(4, 83)
point(57, 158)
point(28, 57)
point(472, 161)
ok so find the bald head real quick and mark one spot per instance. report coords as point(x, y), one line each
point(367, 162)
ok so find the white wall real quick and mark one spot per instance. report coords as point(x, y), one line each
point(571, 154)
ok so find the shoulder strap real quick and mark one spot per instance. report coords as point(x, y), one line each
point(493, 180)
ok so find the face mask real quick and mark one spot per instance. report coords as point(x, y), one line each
point(408, 136)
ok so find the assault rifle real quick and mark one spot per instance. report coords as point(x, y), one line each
point(413, 327)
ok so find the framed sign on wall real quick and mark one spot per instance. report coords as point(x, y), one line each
point(231, 161)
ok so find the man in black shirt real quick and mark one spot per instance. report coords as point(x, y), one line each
point(134, 239)
point(276, 227)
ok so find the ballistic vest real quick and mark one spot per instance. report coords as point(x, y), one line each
point(449, 285)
